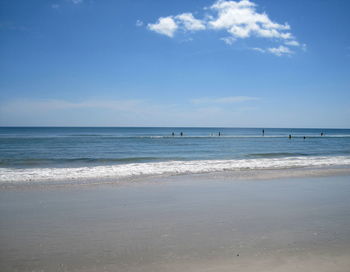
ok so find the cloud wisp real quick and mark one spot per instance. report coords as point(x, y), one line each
point(53, 104)
point(139, 23)
point(281, 50)
point(224, 100)
point(127, 112)
point(238, 19)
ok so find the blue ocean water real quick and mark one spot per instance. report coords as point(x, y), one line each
point(25, 148)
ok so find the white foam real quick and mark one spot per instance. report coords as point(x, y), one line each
point(11, 175)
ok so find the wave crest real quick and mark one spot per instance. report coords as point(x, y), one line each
point(10, 175)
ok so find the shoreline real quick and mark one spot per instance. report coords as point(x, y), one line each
point(248, 174)
point(130, 171)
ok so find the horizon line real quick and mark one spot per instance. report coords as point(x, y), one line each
point(224, 127)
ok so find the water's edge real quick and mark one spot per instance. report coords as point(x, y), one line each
point(229, 175)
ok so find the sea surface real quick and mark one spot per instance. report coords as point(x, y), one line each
point(29, 154)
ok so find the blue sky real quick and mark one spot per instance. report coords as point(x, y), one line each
point(262, 63)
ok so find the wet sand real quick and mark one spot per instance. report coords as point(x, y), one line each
point(183, 223)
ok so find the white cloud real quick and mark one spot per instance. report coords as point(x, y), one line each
point(55, 6)
point(240, 19)
point(258, 49)
point(189, 22)
point(168, 25)
point(281, 50)
point(77, 1)
point(224, 100)
point(165, 26)
point(228, 40)
point(292, 43)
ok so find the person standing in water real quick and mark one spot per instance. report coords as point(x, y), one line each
point(263, 132)
point(290, 136)
point(181, 134)
point(219, 133)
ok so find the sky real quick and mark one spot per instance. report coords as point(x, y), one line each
point(256, 63)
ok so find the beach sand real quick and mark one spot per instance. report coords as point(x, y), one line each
point(181, 223)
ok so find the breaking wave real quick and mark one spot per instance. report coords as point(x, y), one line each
point(120, 171)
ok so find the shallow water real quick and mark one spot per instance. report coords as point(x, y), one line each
point(54, 153)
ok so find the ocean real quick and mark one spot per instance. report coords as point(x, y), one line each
point(29, 154)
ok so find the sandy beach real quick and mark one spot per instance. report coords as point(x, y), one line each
point(174, 136)
point(181, 223)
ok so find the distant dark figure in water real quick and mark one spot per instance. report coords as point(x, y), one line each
point(181, 134)
point(321, 134)
point(219, 133)
point(290, 136)
point(173, 134)
point(263, 132)
point(304, 137)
